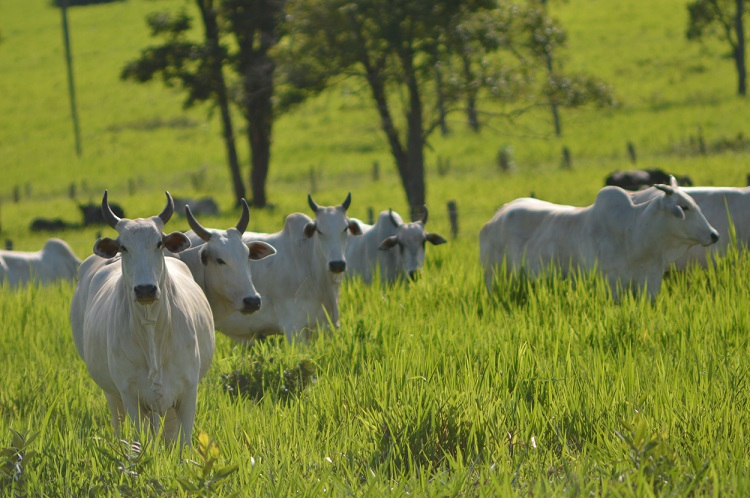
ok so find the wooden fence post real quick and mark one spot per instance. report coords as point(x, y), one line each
point(8, 245)
point(567, 162)
point(631, 152)
point(453, 216)
point(375, 171)
point(370, 216)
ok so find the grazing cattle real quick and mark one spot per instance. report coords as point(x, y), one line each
point(205, 206)
point(55, 261)
point(628, 243)
point(142, 325)
point(637, 179)
point(397, 247)
point(218, 261)
point(92, 213)
point(49, 225)
point(718, 205)
point(300, 285)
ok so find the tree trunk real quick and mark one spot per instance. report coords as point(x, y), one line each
point(208, 14)
point(472, 116)
point(414, 178)
point(739, 50)
point(441, 101)
point(553, 104)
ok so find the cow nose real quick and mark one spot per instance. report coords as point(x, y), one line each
point(251, 304)
point(714, 237)
point(337, 266)
point(145, 292)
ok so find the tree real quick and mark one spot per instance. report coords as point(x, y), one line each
point(392, 45)
point(725, 19)
point(197, 67)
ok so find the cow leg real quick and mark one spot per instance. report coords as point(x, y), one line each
point(133, 409)
point(185, 410)
point(117, 410)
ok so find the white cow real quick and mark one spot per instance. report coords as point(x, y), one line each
point(718, 205)
point(300, 285)
point(629, 243)
point(218, 261)
point(397, 247)
point(55, 261)
point(142, 325)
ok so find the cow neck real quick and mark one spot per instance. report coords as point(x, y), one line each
point(645, 216)
point(317, 281)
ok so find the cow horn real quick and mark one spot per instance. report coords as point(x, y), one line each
point(168, 209)
point(393, 220)
point(424, 215)
point(347, 201)
point(312, 204)
point(109, 216)
point(665, 188)
point(245, 218)
point(197, 227)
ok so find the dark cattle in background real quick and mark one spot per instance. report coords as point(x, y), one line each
point(636, 179)
point(92, 213)
point(49, 225)
point(204, 206)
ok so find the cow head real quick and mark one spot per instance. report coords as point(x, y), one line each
point(409, 243)
point(688, 222)
point(140, 243)
point(330, 230)
point(225, 257)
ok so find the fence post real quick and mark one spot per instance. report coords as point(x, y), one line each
point(16, 194)
point(567, 162)
point(72, 190)
point(631, 152)
point(370, 216)
point(375, 171)
point(453, 216)
point(8, 244)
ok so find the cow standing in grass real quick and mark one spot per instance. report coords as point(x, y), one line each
point(218, 261)
point(398, 248)
point(142, 325)
point(55, 261)
point(300, 285)
point(630, 244)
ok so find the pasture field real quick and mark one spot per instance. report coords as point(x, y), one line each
point(544, 388)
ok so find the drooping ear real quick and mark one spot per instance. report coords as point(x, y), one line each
point(677, 211)
point(260, 250)
point(309, 229)
point(176, 242)
point(106, 248)
point(354, 228)
point(204, 255)
point(673, 181)
point(388, 243)
point(434, 239)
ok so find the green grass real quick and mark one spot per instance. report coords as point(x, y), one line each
point(438, 389)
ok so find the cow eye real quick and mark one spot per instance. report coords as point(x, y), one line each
point(685, 208)
point(317, 230)
point(220, 261)
point(159, 244)
point(123, 249)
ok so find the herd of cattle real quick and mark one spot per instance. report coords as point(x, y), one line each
point(147, 303)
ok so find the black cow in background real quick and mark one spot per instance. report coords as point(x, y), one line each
point(92, 213)
point(636, 179)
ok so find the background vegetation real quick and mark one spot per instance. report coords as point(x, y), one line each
point(437, 388)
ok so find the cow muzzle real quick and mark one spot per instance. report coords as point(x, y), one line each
point(145, 294)
point(250, 305)
point(714, 237)
point(337, 266)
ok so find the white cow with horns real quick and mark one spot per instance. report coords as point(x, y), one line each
point(300, 285)
point(142, 325)
point(397, 247)
point(628, 243)
point(218, 260)
point(720, 206)
point(55, 261)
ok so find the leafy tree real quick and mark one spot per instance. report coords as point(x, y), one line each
point(725, 19)
point(197, 67)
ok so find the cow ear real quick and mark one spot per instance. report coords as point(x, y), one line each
point(309, 229)
point(388, 243)
point(354, 228)
point(176, 242)
point(106, 248)
point(204, 255)
point(260, 250)
point(434, 239)
point(677, 211)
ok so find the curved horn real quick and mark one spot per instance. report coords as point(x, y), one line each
point(424, 216)
point(168, 210)
point(393, 220)
point(665, 188)
point(109, 216)
point(245, 218)
point(347, 201)
point(197, 227)
point(312, 204)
